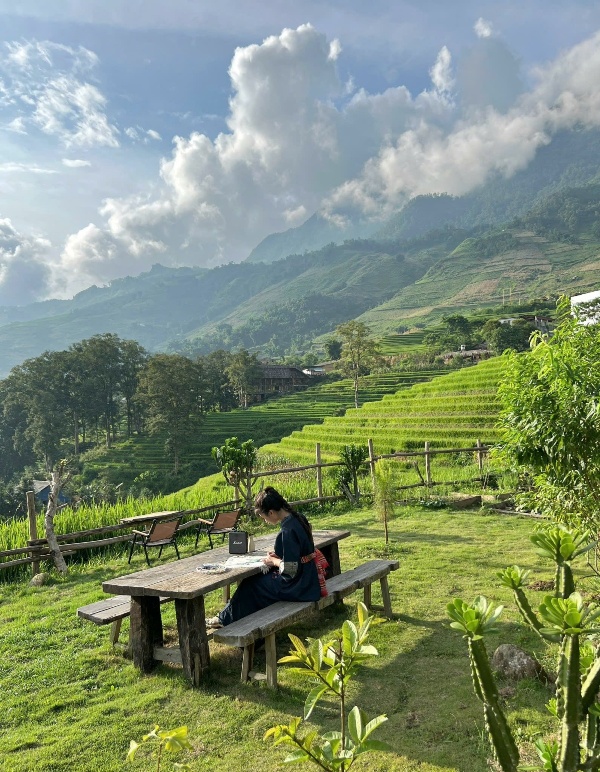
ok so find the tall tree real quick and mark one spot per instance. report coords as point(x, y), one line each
point(170, 389)
point(133, 357)
point(359, 352)
point(244, 372)
point(551, 419)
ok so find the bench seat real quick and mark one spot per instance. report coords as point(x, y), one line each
point(109, 611)
point(265, 623)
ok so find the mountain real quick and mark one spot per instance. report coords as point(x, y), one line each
point(313, 234)
point(437, 255)
point(571, 160)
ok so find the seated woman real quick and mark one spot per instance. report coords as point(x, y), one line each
point(292, 573)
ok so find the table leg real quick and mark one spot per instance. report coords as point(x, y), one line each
point(332, 555)
point(145, 631)
point(193, 642)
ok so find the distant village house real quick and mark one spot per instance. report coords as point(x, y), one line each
point(279, 379)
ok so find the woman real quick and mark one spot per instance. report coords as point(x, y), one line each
point(292, 571)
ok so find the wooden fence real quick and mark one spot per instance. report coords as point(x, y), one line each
point(36, 549)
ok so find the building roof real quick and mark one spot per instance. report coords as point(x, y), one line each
point(40, 485)
point(282, 371)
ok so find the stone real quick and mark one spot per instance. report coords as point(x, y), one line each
point(39, 580)
point(513, 663)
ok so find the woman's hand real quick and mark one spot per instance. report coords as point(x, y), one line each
point(272, 560)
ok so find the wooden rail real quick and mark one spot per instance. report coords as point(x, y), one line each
point(37, 550)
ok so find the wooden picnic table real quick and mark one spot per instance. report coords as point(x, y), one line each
point(187, 586)
point(149, 517)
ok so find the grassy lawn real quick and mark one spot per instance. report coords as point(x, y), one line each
point(69, 702)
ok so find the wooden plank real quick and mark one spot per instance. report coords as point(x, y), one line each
point(180, 579)
point(105, 611)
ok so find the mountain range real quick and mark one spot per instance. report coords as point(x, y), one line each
point(534, 234)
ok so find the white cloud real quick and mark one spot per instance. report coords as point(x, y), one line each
point(17, 125)
point(45, 84)
point(483, 28)
point(441, 72)
point(75, 163)
point(152, 134)
point(297, 141)
point(11, 167)
point(24, 271)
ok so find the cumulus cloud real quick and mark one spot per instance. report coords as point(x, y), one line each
point(48, 85)
point(24, 270)
point(298, 140)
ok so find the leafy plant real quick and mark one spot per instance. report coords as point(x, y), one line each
point(331, 665)
point(563, 618)
point(384, 493)
point(352, 458)
point(237, 461)
point(159, 740)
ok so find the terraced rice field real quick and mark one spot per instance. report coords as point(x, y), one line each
point(450, 412)
point(266, 423)
point(408, 342)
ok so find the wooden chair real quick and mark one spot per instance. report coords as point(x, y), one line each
point(161, 534)
point(222, 523)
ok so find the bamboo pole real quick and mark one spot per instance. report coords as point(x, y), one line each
point(319, 472)
point(33, 534)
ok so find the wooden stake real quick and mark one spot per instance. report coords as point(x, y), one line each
point(479, 457)
point(33, 534)
point(427, 465)
point(371, 462)
point(319, 472)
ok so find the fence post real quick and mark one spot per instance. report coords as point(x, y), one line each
point(33, 534)
point(480, 457)
point(371, 462)
point(427, 465)
point(319, 472)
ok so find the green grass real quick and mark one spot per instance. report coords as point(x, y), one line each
point(69, 702)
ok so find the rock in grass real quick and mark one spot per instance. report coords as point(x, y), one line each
point(39, 580)
point(515, 664)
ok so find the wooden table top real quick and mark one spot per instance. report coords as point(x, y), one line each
point(180, 579)
point(149, 517)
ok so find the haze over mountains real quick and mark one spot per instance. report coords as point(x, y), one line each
point(435, 253)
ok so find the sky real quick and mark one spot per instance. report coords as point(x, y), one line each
point(135, 132)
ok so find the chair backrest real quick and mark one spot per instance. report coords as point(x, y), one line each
point(225, 520)
point(162, 530)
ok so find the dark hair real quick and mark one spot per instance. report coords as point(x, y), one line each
point(269, 498)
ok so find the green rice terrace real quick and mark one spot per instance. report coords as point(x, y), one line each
point(265, 423)
point(449, 412)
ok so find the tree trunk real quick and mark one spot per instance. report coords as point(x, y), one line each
point(55, 488)
point(356, 391)
point(76, 433)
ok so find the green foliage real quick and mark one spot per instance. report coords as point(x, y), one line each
point(563, 618)
point(159, 740)
point(331, 665)
point(550, 423)
point(352, 458)
point(384, 495)
point(359, 352)
point(237, 461)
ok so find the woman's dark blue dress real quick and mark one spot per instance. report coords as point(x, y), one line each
point(297, 581)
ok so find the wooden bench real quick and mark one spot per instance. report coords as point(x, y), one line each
point(110, 611)
point(268, 621)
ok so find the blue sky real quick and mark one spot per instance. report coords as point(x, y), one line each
point(140, 131)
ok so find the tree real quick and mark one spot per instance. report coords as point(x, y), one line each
point(333, 348)
point(352, 458)
point(243, 372)
point(170, 390)
point(551, 419)
point(59, 477)
point(133, 358)
point(237, 462)
point(359, 352)
point(504, 336)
